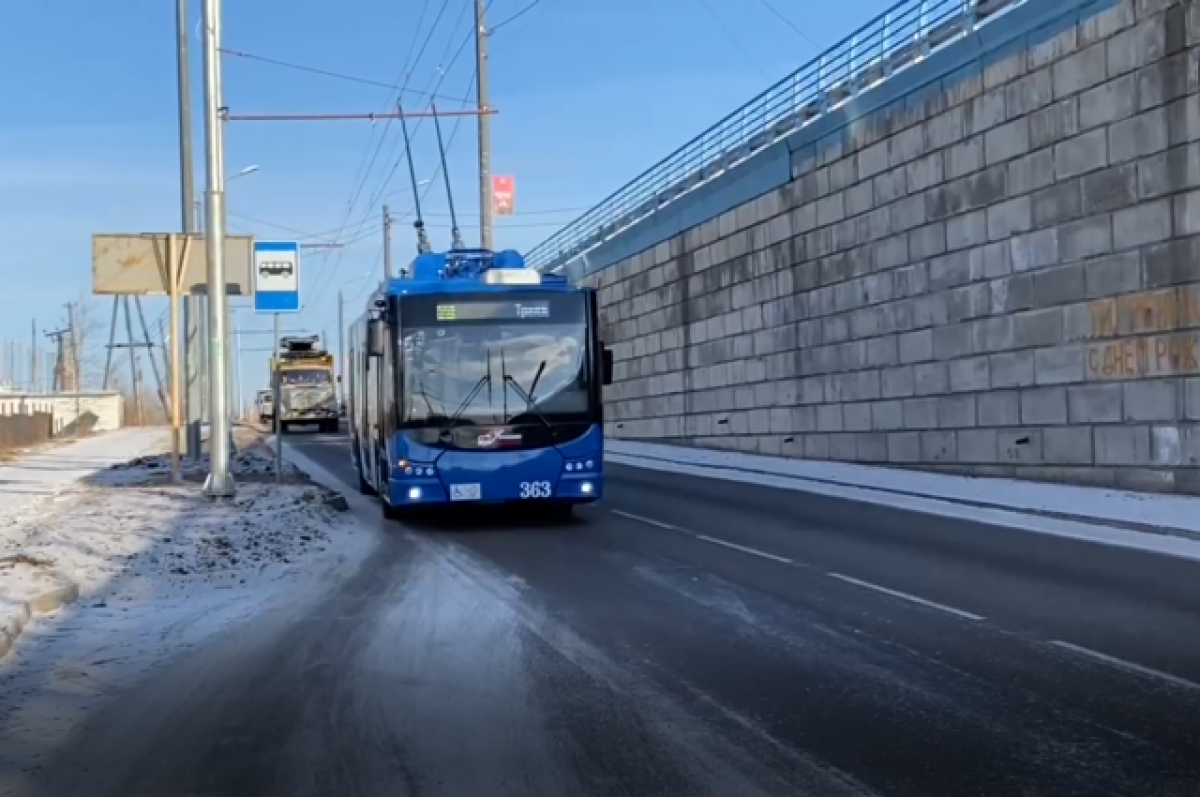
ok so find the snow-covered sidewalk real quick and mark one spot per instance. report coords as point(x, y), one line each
point(31, 487)
point(100, 519)
point(158, 568)
point(29, 479)
point(1121, 517)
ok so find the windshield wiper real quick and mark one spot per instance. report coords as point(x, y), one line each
point(486, 379)
point(530, 403)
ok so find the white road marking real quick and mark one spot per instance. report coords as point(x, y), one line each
point(642, 519)
point(784, 560)
point(1122, 664)
point(705, 538)
point(744, 549)
point(905, 596)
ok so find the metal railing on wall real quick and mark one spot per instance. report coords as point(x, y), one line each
point(903, 36)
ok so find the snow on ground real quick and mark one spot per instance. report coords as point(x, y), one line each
point(161, 568)
point(125, 523)
point(27, 480)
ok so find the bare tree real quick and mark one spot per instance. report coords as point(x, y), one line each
point(89, 339)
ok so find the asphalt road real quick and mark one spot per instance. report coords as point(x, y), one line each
point(685, 637)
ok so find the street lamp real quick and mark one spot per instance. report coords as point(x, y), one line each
point(199, 203)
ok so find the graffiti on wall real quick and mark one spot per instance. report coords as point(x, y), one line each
point(1144, 335)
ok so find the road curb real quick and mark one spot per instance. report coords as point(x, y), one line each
point(42, 603)
point(805, 483)
point(335, 497)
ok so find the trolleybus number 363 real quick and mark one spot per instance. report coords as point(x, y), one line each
point(535, 489)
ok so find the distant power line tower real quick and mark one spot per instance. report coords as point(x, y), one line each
point(60, 369)
point(134, 346)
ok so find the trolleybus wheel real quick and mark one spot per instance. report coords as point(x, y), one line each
point(557, 512)
point(390, 512)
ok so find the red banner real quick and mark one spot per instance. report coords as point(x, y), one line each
point(504, 196)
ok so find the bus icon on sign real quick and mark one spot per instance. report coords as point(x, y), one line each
point(276, 268)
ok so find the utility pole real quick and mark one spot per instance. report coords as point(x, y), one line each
point(192, 401)
point(220, 482)
point(59, 377)
point(74, 352)
point(387, 243)
point(485, 129)
point(75, 374)
point(236, 402)
point(33, 361)
point(202, 336)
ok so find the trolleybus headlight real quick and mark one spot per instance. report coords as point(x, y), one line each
point(414, 493)
point(408, 471)
point(585, 488)
point(590, 464)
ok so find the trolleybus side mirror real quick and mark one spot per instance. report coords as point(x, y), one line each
point(606, 365)
point(375, 337)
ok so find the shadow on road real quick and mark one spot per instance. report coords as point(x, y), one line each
point(491, 519)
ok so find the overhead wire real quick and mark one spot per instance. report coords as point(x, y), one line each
point(335, 75)
point(325, 268)
point(442, 73)
point(767, 5)
point(405, 75)
point(737, 42)
point(514, 17)
point(300, 235)
point(428, 187)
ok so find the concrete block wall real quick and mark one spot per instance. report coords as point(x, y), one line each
point(89, 412)
point(999, 277)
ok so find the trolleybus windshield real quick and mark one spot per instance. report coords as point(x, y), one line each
point(489, 361)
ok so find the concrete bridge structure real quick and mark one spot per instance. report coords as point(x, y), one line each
point(967, 239)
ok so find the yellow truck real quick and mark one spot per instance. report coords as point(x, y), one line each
point(307, 386)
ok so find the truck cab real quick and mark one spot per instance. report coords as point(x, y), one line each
point(307, 388)
point(264, 406)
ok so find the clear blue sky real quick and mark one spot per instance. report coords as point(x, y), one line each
point(589, 95)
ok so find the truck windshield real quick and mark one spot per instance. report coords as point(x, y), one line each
point(523, 367)
point(306, 376)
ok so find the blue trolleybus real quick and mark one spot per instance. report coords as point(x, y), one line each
point(476, 380)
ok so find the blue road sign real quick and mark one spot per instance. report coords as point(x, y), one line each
point(276, 277)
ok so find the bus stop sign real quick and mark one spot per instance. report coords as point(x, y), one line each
point(276, 277)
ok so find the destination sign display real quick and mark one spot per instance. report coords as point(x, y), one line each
point(494, 311)
point(417, 312)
